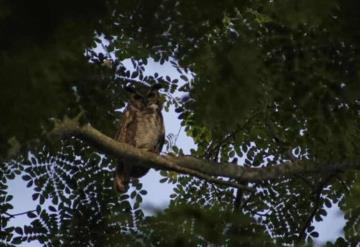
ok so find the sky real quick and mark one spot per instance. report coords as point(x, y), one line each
point(158, 193)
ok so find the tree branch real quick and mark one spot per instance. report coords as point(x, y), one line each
point(68, 127)
point(13, 215)
point(317, 205)
point(204, 169)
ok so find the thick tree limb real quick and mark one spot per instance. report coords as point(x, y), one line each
point(189, 165)
point(71, 127)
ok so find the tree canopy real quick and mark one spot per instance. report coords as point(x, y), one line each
point(271, 97)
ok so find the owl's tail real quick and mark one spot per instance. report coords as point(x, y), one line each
point(121, 178)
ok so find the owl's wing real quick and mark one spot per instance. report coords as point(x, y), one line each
point(161, 139)
point(124, 131)
point(160, 144)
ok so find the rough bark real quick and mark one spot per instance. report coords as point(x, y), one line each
point(189, 165)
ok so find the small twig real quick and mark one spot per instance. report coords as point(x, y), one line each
point(106, 50)
point(317, 206)
point(265, 214)
point(132, 80)
point(14, 215)
point(212, 147)
point(239, 193)
point(177, 136)
point(10, 215)
point(238, 200)
point(347, 188)
point(217, 192)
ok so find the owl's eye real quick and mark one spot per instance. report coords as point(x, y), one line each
point(151, 95)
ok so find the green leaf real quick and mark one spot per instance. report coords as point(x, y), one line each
point(143, 192)
point(16, 240)
point(19, 230)
point(314, 234)
point(26, 177)
point(124, 197)
point(31, 215)
point(133, 194)
point(35, 196)
point(183, 77)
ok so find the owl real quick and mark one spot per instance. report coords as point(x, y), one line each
point(141, 126)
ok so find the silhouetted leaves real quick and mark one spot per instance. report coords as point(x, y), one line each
point(262, 83)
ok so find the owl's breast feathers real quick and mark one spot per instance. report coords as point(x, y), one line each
point(142, 129)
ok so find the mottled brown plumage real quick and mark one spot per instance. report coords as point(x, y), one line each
point(141, 126)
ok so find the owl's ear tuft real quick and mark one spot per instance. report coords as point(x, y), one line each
point(130, 89)
point(156, 86)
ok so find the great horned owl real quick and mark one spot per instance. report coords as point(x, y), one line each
point(141, 126)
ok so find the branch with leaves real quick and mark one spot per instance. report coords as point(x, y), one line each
point(317, 205)
point(200, 168)
point(18, 214)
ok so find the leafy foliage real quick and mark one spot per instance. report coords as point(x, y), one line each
point(265, 82)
